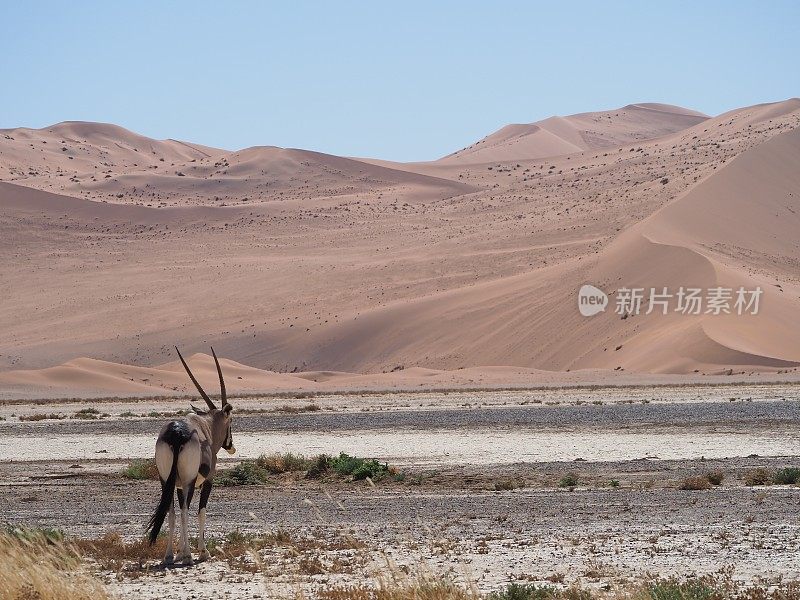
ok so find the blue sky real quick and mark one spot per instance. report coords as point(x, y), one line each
point(403, 80)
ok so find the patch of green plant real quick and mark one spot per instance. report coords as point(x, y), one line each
point(247, 472)
point(89, 414)
point(141, 469)
point(49, 535)
point(614, 483)
point(532, 591)
point(359, 468)
point(672, 589)
point(787, 476)
point(570, 480)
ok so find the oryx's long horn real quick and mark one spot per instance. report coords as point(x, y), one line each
point(222, 392)
point(194, 381)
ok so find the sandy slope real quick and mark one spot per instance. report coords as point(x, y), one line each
point(586, 131)
point(111, 164)
point(289, 260)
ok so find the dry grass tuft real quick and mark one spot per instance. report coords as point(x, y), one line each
point(696, 483)
point(112, 553)
point(759, 476)
point(34, 567)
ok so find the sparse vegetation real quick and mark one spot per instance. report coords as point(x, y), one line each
point(141, 469)
point(41, 417)
point(89, 414)
point(570, 480)
point(399, 587)
point(289, 409)
point(696, 483)
point(247, 472)
point(715, 477)
point(787, 476)
point(257, 472)
point(532, 591)
point(359, 468)
point(112, 552)
point(759, 476)
point(508, 484)
point(286, 463)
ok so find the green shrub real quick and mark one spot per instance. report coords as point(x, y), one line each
point(256, 472)
point(247, 472)
point(787, 476)
point(672, 589)
point(570, 480)
point(359, 468)
point(88, 413)
point(532, 591)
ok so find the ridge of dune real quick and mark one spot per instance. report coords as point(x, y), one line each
point(109, 163)
point(556, 135)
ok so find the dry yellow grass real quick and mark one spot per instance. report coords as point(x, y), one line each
point(35, 569)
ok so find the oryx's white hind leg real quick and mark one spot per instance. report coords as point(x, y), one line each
point(169, 557)
point(188, 468)
point(164, 457)
point(185, 552)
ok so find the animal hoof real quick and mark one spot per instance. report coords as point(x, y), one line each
point(169, 559)
point(188, 560)
point(204, 555)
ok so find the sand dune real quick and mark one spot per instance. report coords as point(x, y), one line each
point(109, 163)
point(326, 271)
point(586, 131)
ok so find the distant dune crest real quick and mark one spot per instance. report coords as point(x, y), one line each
point(556, 136)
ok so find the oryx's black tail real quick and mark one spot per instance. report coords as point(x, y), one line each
point(176, 434)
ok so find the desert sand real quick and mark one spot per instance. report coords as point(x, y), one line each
point(308, 271)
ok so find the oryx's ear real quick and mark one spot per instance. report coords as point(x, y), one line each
point(198, 411)
point(227, 409)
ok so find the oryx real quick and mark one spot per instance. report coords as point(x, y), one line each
point(186, 457)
